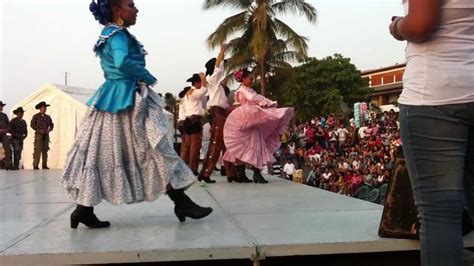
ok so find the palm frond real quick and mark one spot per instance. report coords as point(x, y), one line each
point(291, 56)
point(298, 42)
point(236, 4)
point(278, 46)
point(240, 44)
point(281, 64)
point(227, 28)
point(300, 7)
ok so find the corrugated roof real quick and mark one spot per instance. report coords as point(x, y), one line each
point(372, 71)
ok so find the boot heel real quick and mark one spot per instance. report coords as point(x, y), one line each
point(74, 223)
point(181, 217)
point(229, 179)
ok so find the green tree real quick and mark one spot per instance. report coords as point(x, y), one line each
point(172, 106)
point(325, 86)
point(170, 100)
point(265, 42)
point(277, 81)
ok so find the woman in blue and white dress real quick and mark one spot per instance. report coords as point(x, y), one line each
point(121, 153)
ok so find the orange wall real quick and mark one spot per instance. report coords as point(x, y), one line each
point(388, 77)
point(376, 80)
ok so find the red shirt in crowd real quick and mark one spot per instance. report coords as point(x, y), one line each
point(371, 144)
point(318, 149)
point(310, 152)
point(378, 142)
point(310, 135)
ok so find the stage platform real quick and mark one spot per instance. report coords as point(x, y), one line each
point(251, 222)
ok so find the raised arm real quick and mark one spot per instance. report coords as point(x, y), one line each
point(218, 75)
point(199, 93)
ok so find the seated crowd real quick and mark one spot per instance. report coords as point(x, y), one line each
point(339, 156)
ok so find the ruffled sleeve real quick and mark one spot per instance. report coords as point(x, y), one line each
point(248, 96)
point(119, 40)
point(106, 34)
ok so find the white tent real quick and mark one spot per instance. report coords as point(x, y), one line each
point(67, 111)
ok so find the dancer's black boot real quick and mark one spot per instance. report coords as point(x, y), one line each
point(86, 216)
point(241, 176)
point(185, 207)
point(222, 170)
point(257, 176)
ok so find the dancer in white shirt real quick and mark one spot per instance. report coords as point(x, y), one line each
point(218, 111)
point(194, 111)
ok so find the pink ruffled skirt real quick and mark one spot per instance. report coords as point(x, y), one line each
point(252, 134)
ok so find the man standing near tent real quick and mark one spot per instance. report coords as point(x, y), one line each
point(19, 131)
point(42, 124)
point(4, 129)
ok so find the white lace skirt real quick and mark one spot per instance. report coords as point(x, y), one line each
point(124, 157)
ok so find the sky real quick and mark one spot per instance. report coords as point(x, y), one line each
point(40, 40)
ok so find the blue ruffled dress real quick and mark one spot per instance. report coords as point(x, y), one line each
point(121, 153)
point(123, 62)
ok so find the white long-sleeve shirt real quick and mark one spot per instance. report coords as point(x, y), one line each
point(289, 169)
point(194, 101)
point(216, 91)
point(182, 110)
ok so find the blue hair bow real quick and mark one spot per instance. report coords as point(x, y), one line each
point(101, 11)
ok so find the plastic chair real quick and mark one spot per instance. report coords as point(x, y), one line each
point(383, 193)
point(362, 192)
point(373, 195)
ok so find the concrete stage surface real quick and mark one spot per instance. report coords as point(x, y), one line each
point(250, 221)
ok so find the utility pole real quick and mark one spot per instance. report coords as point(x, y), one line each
point(65, 78)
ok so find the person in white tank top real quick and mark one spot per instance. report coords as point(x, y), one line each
point(437, 121)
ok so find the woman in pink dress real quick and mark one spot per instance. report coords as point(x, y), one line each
point(251, 132)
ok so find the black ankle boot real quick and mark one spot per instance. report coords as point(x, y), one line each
point(86, 216)
point(231, 179)
point(241, 176)
point(223, 172)
point(206, 179)
point(257, 176)
point(185, 207)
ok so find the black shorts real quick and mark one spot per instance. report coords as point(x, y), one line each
point(192, 125)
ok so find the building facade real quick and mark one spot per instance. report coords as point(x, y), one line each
point(387, 85)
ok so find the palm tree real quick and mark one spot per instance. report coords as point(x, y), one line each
point(265, 42)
